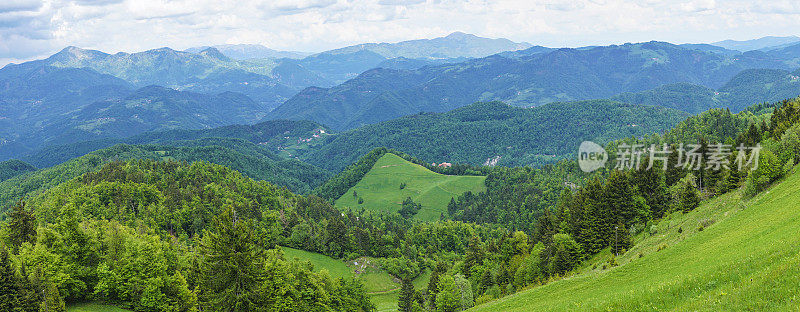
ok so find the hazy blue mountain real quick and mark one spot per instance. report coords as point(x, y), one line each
point(682, 96)
point(539, 78)
point(757, 44)
point(153, 108)
point(250, 51)
point(34, 97)
point(750, 86)
point(790, 54)
point(760, 86)
point(207, 71)
point(339, 67)
point(51, 105)
point(268, 134)
point(403, 63)
point(710, 48)
point(454, 45)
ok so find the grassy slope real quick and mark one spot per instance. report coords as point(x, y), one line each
point(748, 260)
point(380, 188)
point(382, 288)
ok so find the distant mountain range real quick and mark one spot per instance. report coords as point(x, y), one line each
point(51, 105)
point(78, 94)
point(250, 51)
point(764, 43)
point(457, 44)
point(525, 78)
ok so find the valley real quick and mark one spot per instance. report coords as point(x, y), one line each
point(441, 172)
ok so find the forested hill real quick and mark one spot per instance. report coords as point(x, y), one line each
point(747, 87)
point(521, 80)
point(245, 157)
point(269, 135)
point(483, 132)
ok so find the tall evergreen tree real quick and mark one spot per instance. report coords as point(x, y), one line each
point(28, 298)
point(406, 300)
point(232, 265)
point(22, 224)
point(8, 285)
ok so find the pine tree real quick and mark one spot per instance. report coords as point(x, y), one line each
point(52, 300)
point(452, 207)
point(406, 300)
point(22, 225)
point(652, 187)
point(674, 172)
point(28, 299)
point(8, 284)
point(232, 264)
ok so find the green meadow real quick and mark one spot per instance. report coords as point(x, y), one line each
point(380, 188)
point(730, 254)
point(382, 288)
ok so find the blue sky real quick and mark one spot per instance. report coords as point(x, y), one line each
point(32, 29)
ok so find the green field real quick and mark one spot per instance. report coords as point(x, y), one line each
point(382, 287)
point(747, 260)
point(380, 188)
point(93, 307)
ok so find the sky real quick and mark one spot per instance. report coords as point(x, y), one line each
point(32, 29)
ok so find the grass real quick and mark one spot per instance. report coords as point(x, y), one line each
point(336, 268)
point(747, 260)
point(380, 188)
point(93, 307)
point(382, 288)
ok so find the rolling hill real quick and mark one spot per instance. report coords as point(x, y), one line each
point(274, 137)
point(246, 157)
point(12, 168)
point(746, 260)
point(515, 136)
point(380, 189)
point(747, 87)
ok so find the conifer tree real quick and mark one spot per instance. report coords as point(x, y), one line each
point(8, 284)
point(406, 300)
point(232, 265)
point(22, 224)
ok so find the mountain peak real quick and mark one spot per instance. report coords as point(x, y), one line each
point(460, 35)
point(212, 52)
point(73, 53)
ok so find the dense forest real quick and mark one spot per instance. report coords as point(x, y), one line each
point(12, 168)
point(477, 133)
point(156, 234)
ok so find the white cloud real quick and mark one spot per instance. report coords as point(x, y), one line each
point(19, 5)
point(32, 29)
